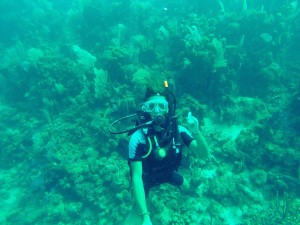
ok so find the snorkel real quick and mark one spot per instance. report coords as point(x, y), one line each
point(173, 120)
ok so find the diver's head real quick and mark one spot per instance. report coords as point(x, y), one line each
point(158, 107)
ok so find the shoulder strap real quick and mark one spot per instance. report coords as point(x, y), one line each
point(176, 135)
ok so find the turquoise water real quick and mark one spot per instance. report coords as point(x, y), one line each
point(70, 68)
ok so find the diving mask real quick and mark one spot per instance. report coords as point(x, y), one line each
point(156, 105)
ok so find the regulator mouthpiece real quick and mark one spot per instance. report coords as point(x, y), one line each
point(159, 120)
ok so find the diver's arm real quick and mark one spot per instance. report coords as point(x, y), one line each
point(138, 190)
point(199, 145)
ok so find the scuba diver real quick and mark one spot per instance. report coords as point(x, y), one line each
point(155, 149)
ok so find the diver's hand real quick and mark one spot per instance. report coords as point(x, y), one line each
point(146, 220)
point(194, 123)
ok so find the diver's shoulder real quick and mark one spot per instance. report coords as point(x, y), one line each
point(138, 135)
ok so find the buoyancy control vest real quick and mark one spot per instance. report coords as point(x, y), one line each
point(161, 157)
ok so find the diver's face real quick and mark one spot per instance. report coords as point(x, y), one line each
point(157, 106)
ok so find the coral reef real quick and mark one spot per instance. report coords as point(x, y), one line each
point(70, 68)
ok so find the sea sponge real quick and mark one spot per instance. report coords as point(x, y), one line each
point(85, 59)
point(220, 61)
